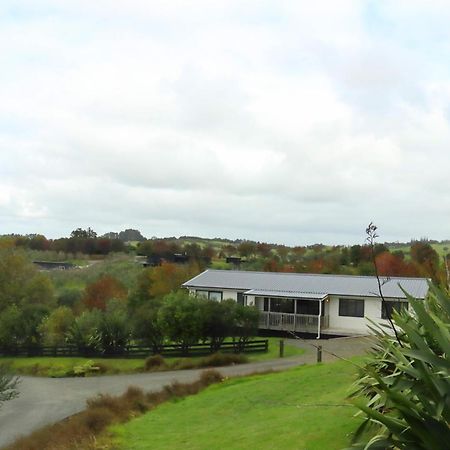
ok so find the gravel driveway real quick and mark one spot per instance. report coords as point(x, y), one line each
point(43, 401)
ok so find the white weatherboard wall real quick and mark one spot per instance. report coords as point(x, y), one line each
point(372, 310)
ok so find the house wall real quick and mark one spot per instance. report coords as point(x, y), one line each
point(372, 310)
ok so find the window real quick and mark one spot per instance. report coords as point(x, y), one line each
point(351, 307)
point(282, 305)
point(240, 298)
point(308, 307)
point(215, 295)
point(211, 295)
point(392, 306)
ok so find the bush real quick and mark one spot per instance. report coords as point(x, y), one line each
point(404, 388)
point(222, 359)
point(97, 419)
point(154, 362)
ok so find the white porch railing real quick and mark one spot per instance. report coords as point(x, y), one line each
point(291, 322)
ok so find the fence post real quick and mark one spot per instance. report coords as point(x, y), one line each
point(319, 353)
point(281, 348)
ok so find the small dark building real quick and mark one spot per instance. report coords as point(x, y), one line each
point(235, 260)
point(54, 265)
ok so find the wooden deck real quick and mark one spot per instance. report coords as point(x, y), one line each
point(291, 322)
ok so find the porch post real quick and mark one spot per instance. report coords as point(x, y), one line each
point(318, 319)
point(295, 314)
point(268, 316)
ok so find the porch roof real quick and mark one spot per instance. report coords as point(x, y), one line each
point(286, 294)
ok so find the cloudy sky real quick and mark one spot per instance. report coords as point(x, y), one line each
point(284, 121)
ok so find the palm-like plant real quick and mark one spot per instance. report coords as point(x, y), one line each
point(404, 388)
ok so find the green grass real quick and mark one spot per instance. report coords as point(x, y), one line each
point(303, 408)
point(62, 366)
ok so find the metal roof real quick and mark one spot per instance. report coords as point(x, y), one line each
point(304, 283)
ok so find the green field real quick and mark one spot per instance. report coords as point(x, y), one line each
point(303, 408)
point(62, 366)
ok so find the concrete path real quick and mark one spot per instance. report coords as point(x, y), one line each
point(43, 401)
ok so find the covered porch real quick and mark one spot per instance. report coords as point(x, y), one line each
point(291, 311)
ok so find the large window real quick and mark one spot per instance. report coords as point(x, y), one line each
point(308, 307)
point(211, 295)
point(215, 295)
point(280, 305)
point(351, 307)
point(392, 306)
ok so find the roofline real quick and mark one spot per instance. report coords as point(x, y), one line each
point(310, 274)
point(373, 295)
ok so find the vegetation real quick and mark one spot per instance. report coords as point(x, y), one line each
point(65, 366)
point(303, 408)
point(8, 385)
point(404, 388)
point(81, 430)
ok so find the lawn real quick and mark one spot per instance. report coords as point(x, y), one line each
point(61, 366)
point(303, 408)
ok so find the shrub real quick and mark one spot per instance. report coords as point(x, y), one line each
point(154, 362)
point(97, 419)
point(404, 388)
point(221, 359)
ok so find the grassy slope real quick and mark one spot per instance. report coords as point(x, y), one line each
point(59, 366)
point(264, 412)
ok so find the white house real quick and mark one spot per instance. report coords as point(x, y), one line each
point(310, 303)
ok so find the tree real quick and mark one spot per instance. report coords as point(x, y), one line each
point(181, 317)
point(245, 323)
point(83, 234)
point(55, 327)
point(218, 319)
point(84, 332)
point(21, 283)
point(146, 326)
point(103, 289)
point(114, 330)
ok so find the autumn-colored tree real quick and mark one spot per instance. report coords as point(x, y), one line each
point(98, 293)
point(389, 264)
point(427, 258)
point(169, 277)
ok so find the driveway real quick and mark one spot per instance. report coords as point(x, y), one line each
point(43, 401)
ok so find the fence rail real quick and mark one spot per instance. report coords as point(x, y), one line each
point(139, 351)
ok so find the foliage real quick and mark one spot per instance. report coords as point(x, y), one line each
point(218, 320)
point(55, 327)
point(114, 330)
point(21, 326)
point(404, 388)
point(8, 385)
point(20, 282)
point(181, 318)
point(11, 331)
point(86, 368)
point(103, 289)
point(245, 323)
point(146, 327)
point(84, 332)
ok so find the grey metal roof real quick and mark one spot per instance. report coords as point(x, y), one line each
point(304, 283)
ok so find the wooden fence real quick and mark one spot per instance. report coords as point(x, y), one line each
point(138, 351)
